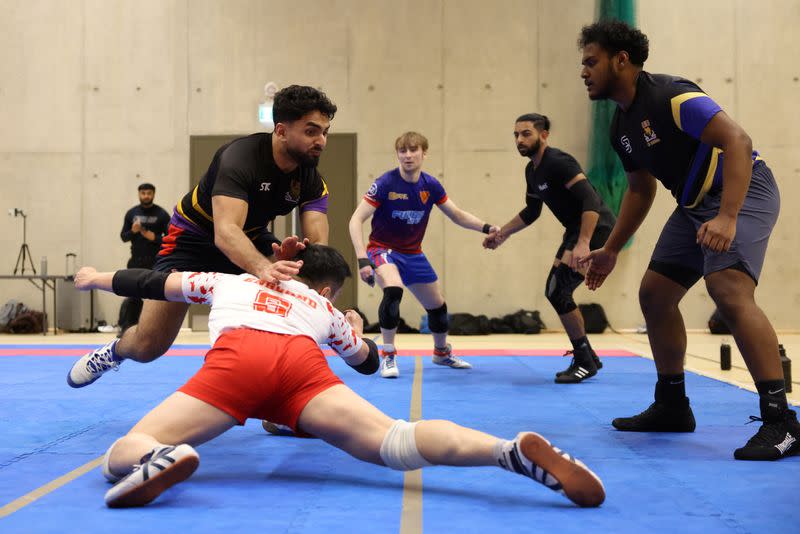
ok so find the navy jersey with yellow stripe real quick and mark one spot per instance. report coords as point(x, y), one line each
point(660, 132)
point(245, 169)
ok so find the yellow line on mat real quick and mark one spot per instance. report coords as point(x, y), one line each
point(28, 498)
point(411, 516)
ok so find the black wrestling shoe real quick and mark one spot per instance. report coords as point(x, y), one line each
point(774, 440)
point(596, 359)
point(659, 417)
point(580, 368)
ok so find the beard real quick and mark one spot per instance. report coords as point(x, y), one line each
point(528, 152)
point(146, 204)
point(302, 158)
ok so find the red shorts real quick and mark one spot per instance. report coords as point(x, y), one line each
point(262, 375)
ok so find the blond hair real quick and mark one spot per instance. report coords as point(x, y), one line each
point(411, 140)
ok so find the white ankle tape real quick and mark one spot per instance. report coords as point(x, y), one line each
point(111, 477)
point(399, 448)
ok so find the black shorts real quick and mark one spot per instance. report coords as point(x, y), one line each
point(571, 235)
point(182, 250)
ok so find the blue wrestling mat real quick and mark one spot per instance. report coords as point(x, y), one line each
point(249, 480)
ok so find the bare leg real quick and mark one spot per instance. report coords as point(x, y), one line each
point(180, 418)
point(158, 327)
point(573, 324)
point(346, 421)
point(733, 292)
point(659, 298)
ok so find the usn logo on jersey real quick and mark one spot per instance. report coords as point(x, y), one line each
point(409, 216)
point(650, 137)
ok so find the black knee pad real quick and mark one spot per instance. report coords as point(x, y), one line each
point(389, 310)
point(438, 321)
point(561, 283)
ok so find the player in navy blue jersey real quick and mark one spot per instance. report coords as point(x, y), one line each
point(399, 203)
point(221, 224)
point(667, 129)
point(554, 178)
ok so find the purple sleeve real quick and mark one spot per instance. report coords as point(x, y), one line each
point(376, 194)
point(320, 205)
point(693, 111)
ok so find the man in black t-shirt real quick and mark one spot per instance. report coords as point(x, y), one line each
point(221, 224)
point(667, 129)
point(555, 178)
point(144, 226)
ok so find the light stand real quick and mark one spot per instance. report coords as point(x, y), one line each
point(24, 251)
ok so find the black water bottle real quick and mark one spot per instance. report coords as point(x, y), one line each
point(786, 363)
point(725, 357)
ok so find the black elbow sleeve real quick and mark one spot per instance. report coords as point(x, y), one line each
point(589, 198)
point(530, 213)
point(141, 283)
point(371, 364)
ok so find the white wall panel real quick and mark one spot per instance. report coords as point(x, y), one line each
point(40, 76)
point(135, 93)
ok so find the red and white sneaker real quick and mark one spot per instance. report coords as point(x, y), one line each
point(445, 357)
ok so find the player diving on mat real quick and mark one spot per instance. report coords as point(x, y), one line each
point(266, 363)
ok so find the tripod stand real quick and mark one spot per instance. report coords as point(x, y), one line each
point(24, 251)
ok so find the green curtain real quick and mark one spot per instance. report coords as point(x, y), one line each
point(605, 169)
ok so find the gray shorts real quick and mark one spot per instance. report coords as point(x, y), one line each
point(677, 244)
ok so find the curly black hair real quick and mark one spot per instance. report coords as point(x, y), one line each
point(615, 36)
point(323, 264)
point(292, 102)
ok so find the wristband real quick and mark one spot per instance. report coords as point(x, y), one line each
point(486, 228)
point(364, 262)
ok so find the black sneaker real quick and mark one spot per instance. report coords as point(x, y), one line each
point(774, 440)
point(659, 417)
point(580, 368)
point(596, 359)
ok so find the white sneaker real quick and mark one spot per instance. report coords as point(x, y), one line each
point(531, 455)
point(160, 469)
point(109, 329)
point(445, 357)
point(389, 365)
point(93, 365)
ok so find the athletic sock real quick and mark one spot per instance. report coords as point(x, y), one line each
point(772, 399)
point(508, 456)
point(581, 343)
point(388, 347)
point(671, 389)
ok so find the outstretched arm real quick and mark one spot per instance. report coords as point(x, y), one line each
point(465, 219)
point(142, 283)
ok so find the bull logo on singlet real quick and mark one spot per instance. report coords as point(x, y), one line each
point(650, 137)
point(424, 195)
point(293, 195)
point(268, 303)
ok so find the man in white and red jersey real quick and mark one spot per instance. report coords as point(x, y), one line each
point(266, 363)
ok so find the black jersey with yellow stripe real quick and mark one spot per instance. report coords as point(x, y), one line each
point(660, 132)
point(245, 169)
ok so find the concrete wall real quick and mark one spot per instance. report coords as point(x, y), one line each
point(99, 95)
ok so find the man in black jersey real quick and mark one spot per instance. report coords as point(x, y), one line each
point(667, 129)
point(554, 178)
point(144, 226)
point(221, 225)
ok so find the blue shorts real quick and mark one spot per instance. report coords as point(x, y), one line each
point(414, 268)
point(677, 243)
